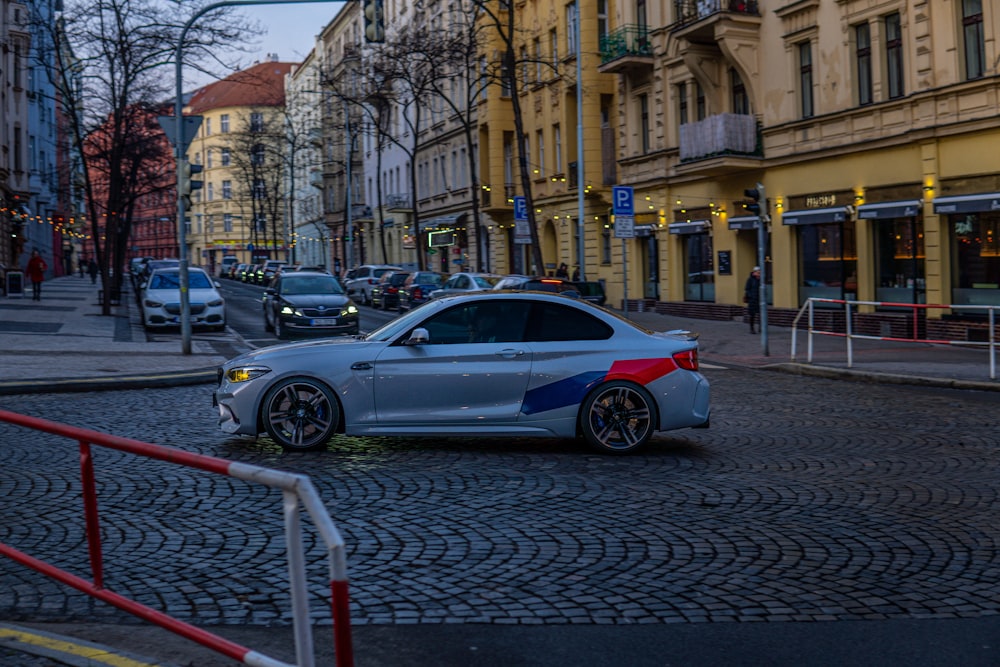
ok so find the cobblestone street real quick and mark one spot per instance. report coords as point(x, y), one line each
point(807, 500)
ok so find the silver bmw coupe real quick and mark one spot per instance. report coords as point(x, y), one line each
point(526, 364)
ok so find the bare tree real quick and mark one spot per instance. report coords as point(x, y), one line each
point(113, 59)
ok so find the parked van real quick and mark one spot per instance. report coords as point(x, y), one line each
point(227, 264)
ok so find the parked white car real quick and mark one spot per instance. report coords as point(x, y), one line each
point(359, 281)
point(160, 298)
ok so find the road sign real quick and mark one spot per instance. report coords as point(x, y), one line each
point(624, 226)
point(623, 200)
point(522, 232)
point(191, 125)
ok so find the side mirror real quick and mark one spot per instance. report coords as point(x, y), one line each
point(217, 283)
point(418, 336)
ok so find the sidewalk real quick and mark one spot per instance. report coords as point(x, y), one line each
point(63, 343)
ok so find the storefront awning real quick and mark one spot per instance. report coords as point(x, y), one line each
point(689, 227)
point(909, 208)
point(743, 222)
point(815, 216)
point(968, 203)
point(441, 222)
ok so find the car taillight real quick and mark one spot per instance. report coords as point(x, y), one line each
point(688, 359)
point(415, 293)
point(391, 290)
point(371, 281)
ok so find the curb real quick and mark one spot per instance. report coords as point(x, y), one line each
point(108, 383)
point(69, 650)
point(872, 377)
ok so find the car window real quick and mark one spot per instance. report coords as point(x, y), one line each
point(452, 282)
point(486, 281)
point(380, 272)
point(397, 278)
point(555, 322)
point(310, 285)
point(481, 322)
point(463, 282)
point(451, 327)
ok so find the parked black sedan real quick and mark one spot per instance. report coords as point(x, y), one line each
point(304, 303)
point(385, 293)
point(418, 287)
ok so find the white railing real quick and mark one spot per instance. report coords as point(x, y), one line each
point(721, 133)
point(809, 309)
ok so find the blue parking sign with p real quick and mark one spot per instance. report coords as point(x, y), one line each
point(520, 208)
point(623, 202)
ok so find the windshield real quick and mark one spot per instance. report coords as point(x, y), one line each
point(171, 280)
point(310, 285)
point(428, 279)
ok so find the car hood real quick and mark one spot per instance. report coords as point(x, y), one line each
point(315, 300)
point(265, 355)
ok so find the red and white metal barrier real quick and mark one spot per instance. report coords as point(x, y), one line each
point(296, 490)
point(809, 308)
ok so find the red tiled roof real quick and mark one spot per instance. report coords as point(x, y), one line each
point(260, 85)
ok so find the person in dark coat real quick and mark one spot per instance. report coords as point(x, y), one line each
point(36, 273)
point(563, 271)
point(93, 270)
point(751, 297)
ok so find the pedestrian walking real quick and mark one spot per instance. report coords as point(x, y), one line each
point(751, 297)
point(92, 270)
point(82, 265)
point(576, 274)
point(563, 271)
point(36, 273)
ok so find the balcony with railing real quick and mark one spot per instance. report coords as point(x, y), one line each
point(720, 144)
point(696, 19)
point(626, 48)
point(398, 202)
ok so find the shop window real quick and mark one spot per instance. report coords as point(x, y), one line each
point(899, 251)
point(699, 284)
point(975, 261)
point(829, 261)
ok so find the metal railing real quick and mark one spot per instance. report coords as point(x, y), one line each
point(808, 308)
point(628, 40)
point(297, 490)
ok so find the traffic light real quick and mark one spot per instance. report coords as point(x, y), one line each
point(185, 184)
point(374, 21)
point(754, 204)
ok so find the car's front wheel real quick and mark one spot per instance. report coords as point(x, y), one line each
point(300, 414)
point(617, 418)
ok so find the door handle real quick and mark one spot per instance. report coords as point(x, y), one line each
point(361, 366)
point(510, 354)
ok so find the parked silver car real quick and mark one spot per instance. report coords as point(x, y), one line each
point(489, 363)
point(360, 280)
point(160, 299)
point(461, 283)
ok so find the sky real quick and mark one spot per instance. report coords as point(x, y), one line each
point(291, 32)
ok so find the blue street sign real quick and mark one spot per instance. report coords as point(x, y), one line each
point(623, 200)
point(520, 208)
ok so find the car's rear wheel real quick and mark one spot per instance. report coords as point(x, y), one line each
point(300, 414)
point(617, 418)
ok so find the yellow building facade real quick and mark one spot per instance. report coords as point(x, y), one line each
point(871, 127)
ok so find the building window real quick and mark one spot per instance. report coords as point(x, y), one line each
point(257, 154)
point(699, 101)
point(210, 192)
point(605, 241)
point(525, 69)
point(527, 154)
point(602, 20)
point(208, 158)
point(894, 55)
point(256, 122)
point(259, 190)
point(505, 74)
point(644, 123)
point(700, 283)
point(899, 249)
point(571, 29)
point(225, 157)
point(972, 35)
point(227, 222)
point(806, 80)
point(741, 103)
point(227, 189)
point(975, 258)
point(539, 75)
point(208, 127)
point(224, 123)
point(554, 41)
point(682, 103)
point(540, 141)
point(863, 62)
point(557, 142)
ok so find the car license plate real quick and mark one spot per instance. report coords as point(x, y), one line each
point(324, 322)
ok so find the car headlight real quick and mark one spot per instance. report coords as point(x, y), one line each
point(216, 302)
point(149, 303)
point(349, 309)
point(288, 310)
point(246, 373)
